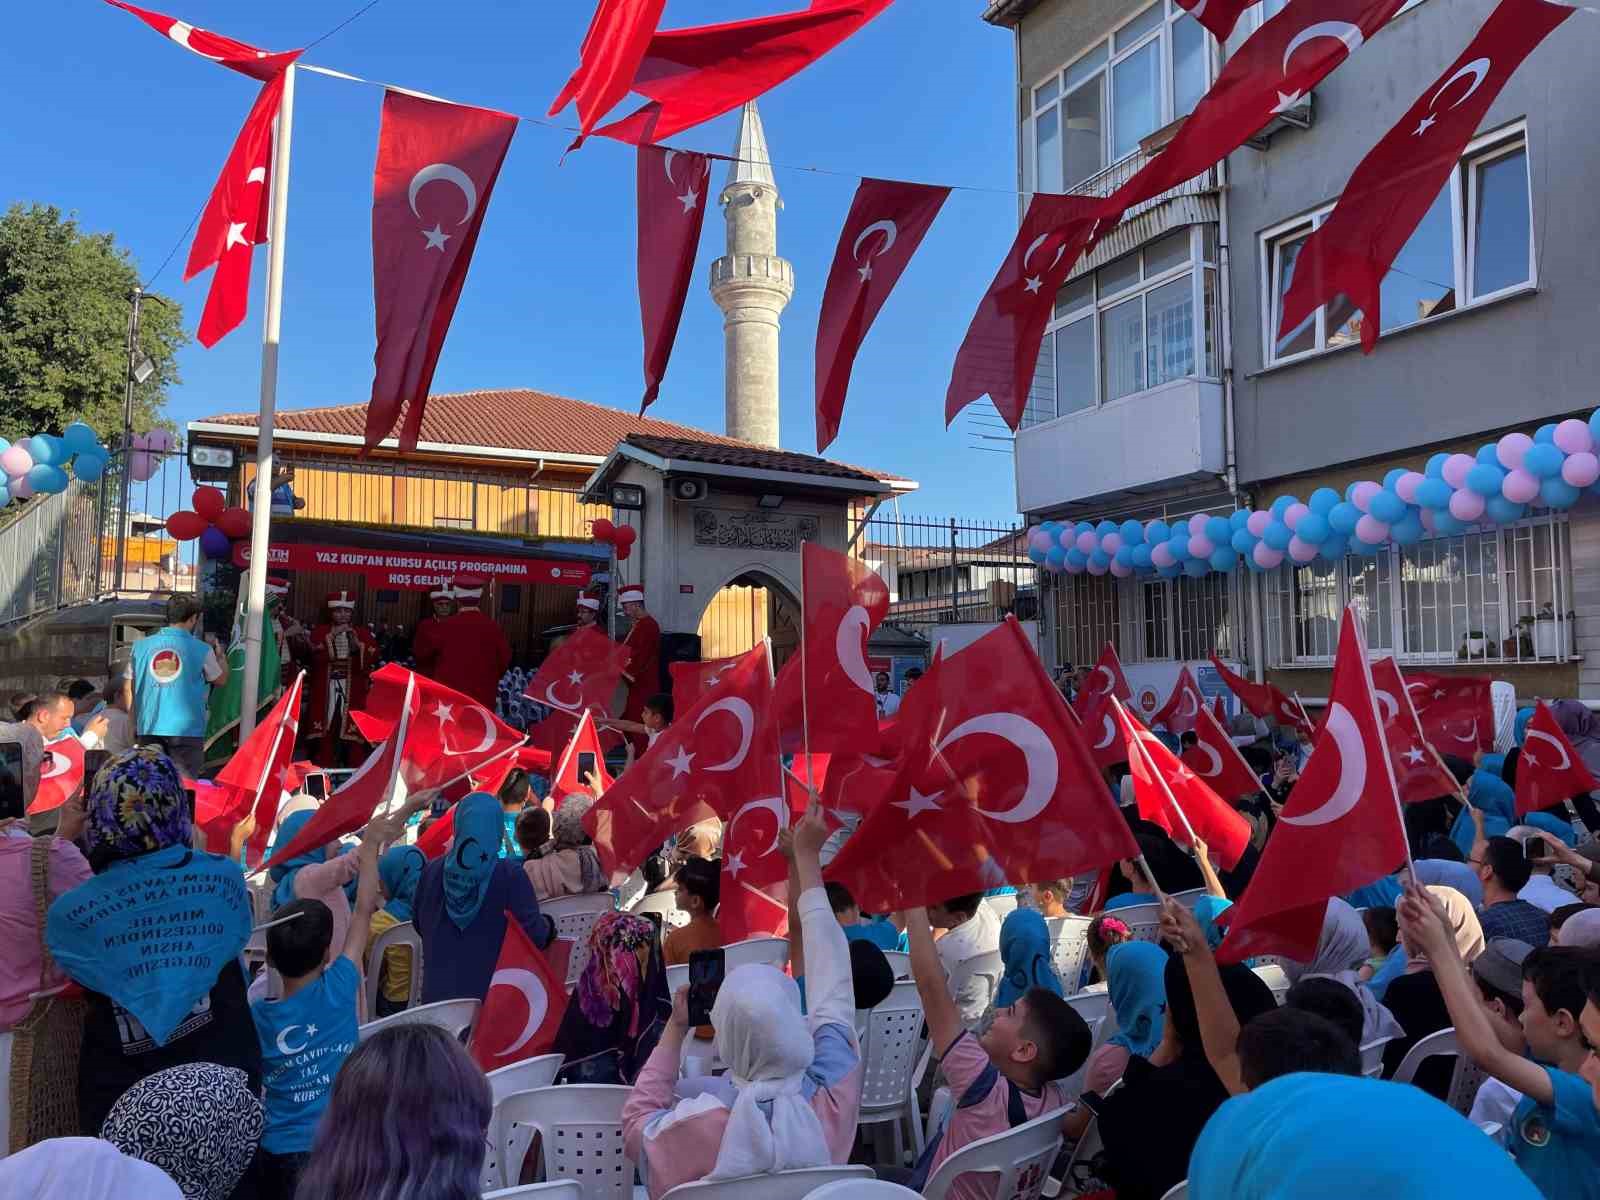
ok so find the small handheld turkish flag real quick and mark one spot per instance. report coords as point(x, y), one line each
point(1177, 799)
point(1456, 711)
point(568, 778)
point(754, 894)
point(1262, 699)
point(1549, 770)
point(673, 192)
point(1417, 772)
point(254, 778)
point(450, 738)
point(60, 774)
point(691, 680)
point(437, 166)
point(1340, 829)
point(886, 223)
point(1217, 760)
point(523, 1007)
point(1183, 707)
point(1106, 679)
point(1100, 730)
point(581, 673)
point(608, 60)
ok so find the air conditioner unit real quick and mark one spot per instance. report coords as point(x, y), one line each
point(688, 487)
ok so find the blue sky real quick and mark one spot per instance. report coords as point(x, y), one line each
point(108, 120)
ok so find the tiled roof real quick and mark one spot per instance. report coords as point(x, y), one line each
point(724, 453)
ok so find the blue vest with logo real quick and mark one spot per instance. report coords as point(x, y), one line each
point(169, 684)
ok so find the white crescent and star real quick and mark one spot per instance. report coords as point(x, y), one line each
point(745, 715)
point(1111, 680)
point(533, 991)
point(1109, 729)
point(180, 31)
point(690, 197)
point(1566, 759)
point(1477, 68)
point(1037, 751)
point(1343, 31)
point(443, 711)
point(449, 173)
point(1193, 702)
point(890, 232)
point(850, 642)
point(680, 762)
point(575, 678)
point(283, 1038)
point(1471, 737)
point(780, 812)
point(1387, 704)
point(1213, 759)
point(60, 764)
point(1032, 283)
point(1346, 735)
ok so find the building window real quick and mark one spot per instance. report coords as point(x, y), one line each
point(1152, 70)
point(1475, 243)
point(1130, 326)
point(1086, 610)
point(1501, 595)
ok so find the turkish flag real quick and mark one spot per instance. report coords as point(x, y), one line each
point(1106, 679)
point(1219, 16)
point(1271, 73)
point(994, 786)
point(754, 897)
point(612, 49)
point(1215, 759)
point(1456, 711)
point(693, 75)
point(523, 1007)
point(1397, 182)
point(1174, 797)
point(1183, 707)
point(214, 814)
point(1001, 350)
point(886, 223)
point(567, 778)
point(437, 165)
point(237, 56)
point(843, 601)
point(1262, 699)
point(1417, 773)
point(255, 776)
point(60, 774)
point(673, 192)
point(1340, 828)
point(581, 673)
point(715, 757)
point(1549, 771)
point(450, 737)
point(1219, 711)
point(1100, 731)
point(691, 680)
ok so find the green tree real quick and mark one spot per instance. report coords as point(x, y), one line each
point(64, 329)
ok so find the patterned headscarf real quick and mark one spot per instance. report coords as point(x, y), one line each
point(136, 805)
point(612, 974)
point(571, 835)
point(198, 1122)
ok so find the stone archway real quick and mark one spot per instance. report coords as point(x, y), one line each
point(750, 606)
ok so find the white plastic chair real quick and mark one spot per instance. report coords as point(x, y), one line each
point(677, 977)
point(1002, 906)
point(777, 1185)
point(1465, 1080)
point(580, 1129)
point(455, 1017)
point(986, 968)
point(1020, 1157)
point(1372, 1057)
point(1178, 1191)
point(672, 916)
point(1190, 897)
point(556, 1189)
point(1275, 977)
point(771, 950)
point(890, 1051)
point(403, 934)
point(899, 963)
point(863, 1189)
point(1069, 948)
point(1142, 920)
point(537, 1072)
point(574, 917)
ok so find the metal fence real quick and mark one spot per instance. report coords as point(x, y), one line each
point(944, 571)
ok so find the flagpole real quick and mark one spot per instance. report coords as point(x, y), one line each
point(1301, 705)
point(277, 740)
point(1166, 788)
point(261, 515)
point(805, 705)
point(512, 749)
point(1377, 723)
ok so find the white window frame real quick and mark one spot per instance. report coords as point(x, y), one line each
point(1165, 621)
point(1463, 185)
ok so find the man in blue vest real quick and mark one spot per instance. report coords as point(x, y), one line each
point(173, 671)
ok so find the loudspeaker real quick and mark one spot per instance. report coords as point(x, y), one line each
point(688, 487)
point(677, 647)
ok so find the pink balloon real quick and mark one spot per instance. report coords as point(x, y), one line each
point(1519, 486)
point(1510, 449)
point(1427, 520)
point(16, 461)
point(1466, 505)
point(1161, 555)
point(1266, 556)
point(1067, 539)
point(1572, 435)
point(21, 489)
point(1302, 552)
point(1371, 530)
point(1095, 568)
point(1456, 468)
point(1200, 546)
point(160, 440)
point(1406, 486)
point(1581, 469)
point(1111, 543)
point(1292, 514)
point(1257, 522)
point(1087, 542)
point(1197, 525)
point(1361, 496)
point(141, 465)
point(1120, 571)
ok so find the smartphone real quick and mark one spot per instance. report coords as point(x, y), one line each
point(315, 785)
point(93, 760)
point(1535, 847)
point(706, 969)
point(11, 801)
point(586, 763)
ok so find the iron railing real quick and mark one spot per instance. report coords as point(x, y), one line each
point(944, 571)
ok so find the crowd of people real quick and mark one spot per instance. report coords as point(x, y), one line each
point(230, 1077)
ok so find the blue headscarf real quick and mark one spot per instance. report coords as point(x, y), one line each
point(1206, 910)
point(1273, 1144)
point(1553, 825)
point(283, 874)
point(1136, 973)
point(1491, 795)
point(400, 868)
point(1519, 727)
point(1025, 955)
point(472, 857)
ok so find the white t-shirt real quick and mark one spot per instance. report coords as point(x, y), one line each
point(977, 936)
point(1546, 893)
point(888, 703)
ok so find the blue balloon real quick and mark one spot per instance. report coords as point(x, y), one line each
point(1350, 493)
point(1223, 559)
point(1277, 535)
point(1435, 467)
point(1546, 434)
point(1238, 519)
point(1056, 557)
point(1081, 527)
point(1489, 455)
point(1366, 549)
point(5, 492)
point(1171, 571)
point(1433, 493)
point(5, 444)
point(1502, 511)
point(1334, 548)
point(1280, 505)
point(1322, 500)
point(1218, 530)
point(1050, 527)
point(1391, 477)
point(1343, 516)
point(1100, 559)
point(1594, 425)
point(1408, 530)
point(89, 467)
point(1444, 523)
point(47, 450)
point(1195, 567)
point(1036, 556)
point(1244, 541)
point(1104, 528)
point(1157, 532)
point(46, 478)
point(1485, 479)
point(1124, 555)
point(1178, 543)
point(80, 439)
point(1543, 459)
point(1387, 507)
point(1077, 558)
point(1141, 557)
point(1132, 533)
point(1313, 528)
point(1558, 493)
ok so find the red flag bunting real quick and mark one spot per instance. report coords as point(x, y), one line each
point(1183, 707)
point(254, 777)
point(567, 778)
point(1217, 760)
point(1549, 770)
point(437, 166)
point(1219, 16)
point(1177, 799)
point(1456, 711)
point(523, 1007)
point(886, 223)
point(237, 56)
point(1417, 772)
point(612, 49)
point(673, 191)
point(1399, 179)
point(60, 774)
point(1340, 828)
point(1262, 699)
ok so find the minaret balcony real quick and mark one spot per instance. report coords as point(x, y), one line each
point(759, 273)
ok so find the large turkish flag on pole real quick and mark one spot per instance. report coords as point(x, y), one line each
point(437, 165)
point(1177, 799)
point(673, 191)
point(1417, 772)
point(222, 50)
point(1456, 711)
point(612, 49)
point(1217, 760)
point(1340, 829)
point(581, 673)
point(1399, 179)
point(1549, 771)
point(994, 786)
point(886, 223)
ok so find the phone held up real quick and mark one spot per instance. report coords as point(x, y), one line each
point(706, 970)
point(1536, 848)
point(586, 764)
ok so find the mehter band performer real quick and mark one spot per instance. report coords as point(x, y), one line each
point(343, 657)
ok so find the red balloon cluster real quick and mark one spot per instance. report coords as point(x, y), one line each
point(212, 521)
point(621, 537)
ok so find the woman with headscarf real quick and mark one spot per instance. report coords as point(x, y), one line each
point(1342, 950)
point(82, 1168)
point(320, 873)
point(793, 1090)
point(1494, 800)
point(399, 871)
point(1136, 978)
point(1583, 731)
point(1024, 957)
point(461, 905)
point(199, 1123)
point(162, 974)
point(1415, 1001)
point(621, 1004)
point(1309, 1135)
point(570, 867)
